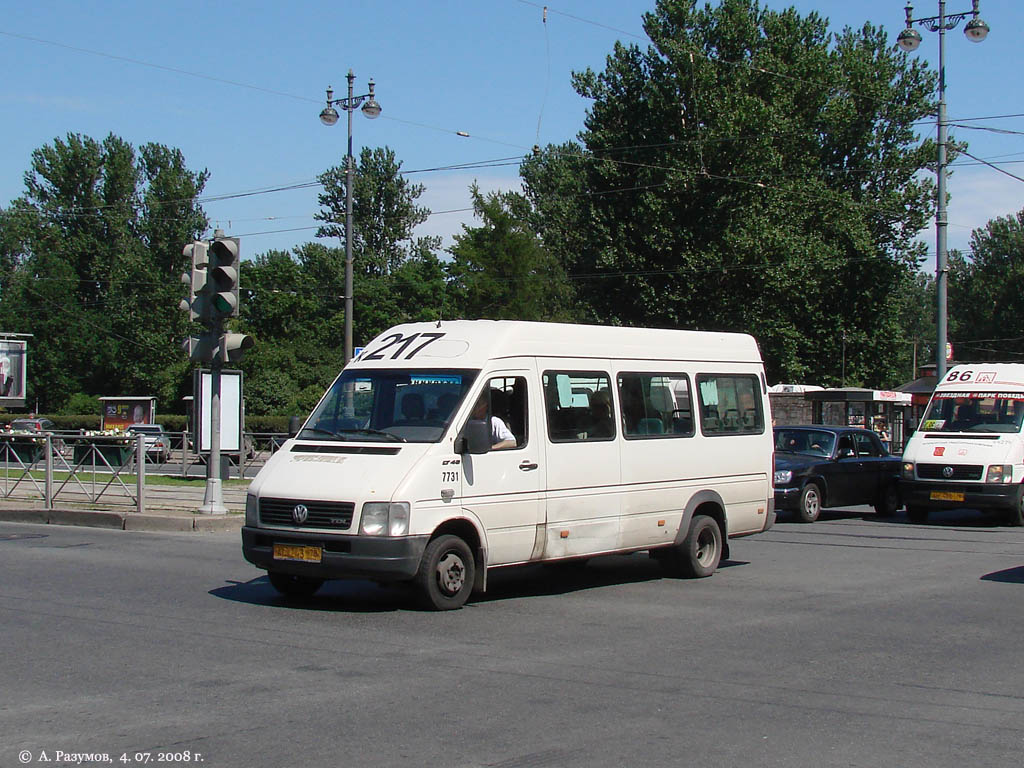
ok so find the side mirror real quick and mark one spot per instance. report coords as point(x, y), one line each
point(475, 438)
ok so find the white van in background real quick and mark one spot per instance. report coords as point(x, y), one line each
point(447, 449)
point(969, 450)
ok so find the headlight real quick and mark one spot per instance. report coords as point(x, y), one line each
point(908, 470)
point(999, 473)
point(252, 509)
point(783, 476)
point(381, 518)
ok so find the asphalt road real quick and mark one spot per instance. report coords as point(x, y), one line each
point(855, 641)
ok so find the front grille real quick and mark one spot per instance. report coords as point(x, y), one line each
point(960, 471)
point(336, 515)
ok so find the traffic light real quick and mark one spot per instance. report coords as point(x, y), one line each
point(196, 304)
point(203, 348)
point(222, 276)
point(236, 345)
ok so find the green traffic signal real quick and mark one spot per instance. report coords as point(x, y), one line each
point(222, 275)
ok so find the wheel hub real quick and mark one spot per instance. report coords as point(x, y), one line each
point(451, 573)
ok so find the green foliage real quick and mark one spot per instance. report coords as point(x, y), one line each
point(748, 171)
point(501, 270)
point(81, 403)
point(986, 293)
point(90, 260)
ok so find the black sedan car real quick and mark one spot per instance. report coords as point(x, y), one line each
point(821, 466)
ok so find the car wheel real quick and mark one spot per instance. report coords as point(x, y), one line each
point(294, 586)
point(888, 501)
point(917, 514)
point(446, 574)
point(809, 506)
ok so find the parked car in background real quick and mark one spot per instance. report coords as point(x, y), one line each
point(819, 466)
point(158, 444)
point(33, 424)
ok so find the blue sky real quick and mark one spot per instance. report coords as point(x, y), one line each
point(490, 68)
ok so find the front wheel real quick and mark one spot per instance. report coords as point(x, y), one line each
point(1016, 515)
point(294, 586)
point(809, 506)
point(917, 514)
point(446, 574)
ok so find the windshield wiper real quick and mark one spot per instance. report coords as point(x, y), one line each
point(388, 435)
point(320, 431)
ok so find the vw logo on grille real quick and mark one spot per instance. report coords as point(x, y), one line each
point(947, 472)
point(300, 513)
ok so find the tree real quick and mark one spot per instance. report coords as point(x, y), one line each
point(384, 212)
point(501, 270)
point(748, 171)
point(93, 260)
point(986, 293)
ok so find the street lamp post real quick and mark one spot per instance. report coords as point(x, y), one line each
point(329, 116)
point(909, 39)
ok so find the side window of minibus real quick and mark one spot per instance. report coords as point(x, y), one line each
point(655, 405)
point(579, 406)
point(730, 404)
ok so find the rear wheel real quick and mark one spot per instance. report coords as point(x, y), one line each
point(446, 573)
point(888, 501)
point(699, 553)
point(294, 586)
point(809, 506)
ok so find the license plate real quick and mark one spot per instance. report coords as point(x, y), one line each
point(303, 554)
point(946, 496)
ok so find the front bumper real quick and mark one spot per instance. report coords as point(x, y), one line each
point(918, 493)
point(344, 557)
point(786, 498)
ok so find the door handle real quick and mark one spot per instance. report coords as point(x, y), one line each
point(526, 466)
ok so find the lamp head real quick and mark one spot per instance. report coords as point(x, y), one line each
point(909, 39)
point(371, 108)
point(976, 30)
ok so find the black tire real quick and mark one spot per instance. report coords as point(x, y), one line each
point(294, 586)
point(698, 555)
point(808, 508)
point(917, 514)
point(446, 574)
point(1015, 516)
point(888, 500)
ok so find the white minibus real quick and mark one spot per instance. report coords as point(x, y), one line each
point(968, 450)
point(447, 449)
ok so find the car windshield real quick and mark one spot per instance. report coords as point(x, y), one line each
point(810, 442)
point(975, 412)
point(389, 405)
point(147, 429)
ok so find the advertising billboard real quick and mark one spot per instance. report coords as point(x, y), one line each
point(12, 373)
point(122, 412)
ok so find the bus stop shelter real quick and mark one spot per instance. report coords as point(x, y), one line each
point(878, 409)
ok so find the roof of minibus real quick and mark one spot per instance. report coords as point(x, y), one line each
point(471, 343)
point(984, 377)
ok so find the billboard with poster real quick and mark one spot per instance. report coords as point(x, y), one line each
point(12, 373)
point(122, 412)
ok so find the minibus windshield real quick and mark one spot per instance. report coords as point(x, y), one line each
point(389, 405)
point(975, 412)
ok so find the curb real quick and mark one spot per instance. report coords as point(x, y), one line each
point(126, 521)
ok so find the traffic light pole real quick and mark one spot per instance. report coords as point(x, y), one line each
point(213, 500)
